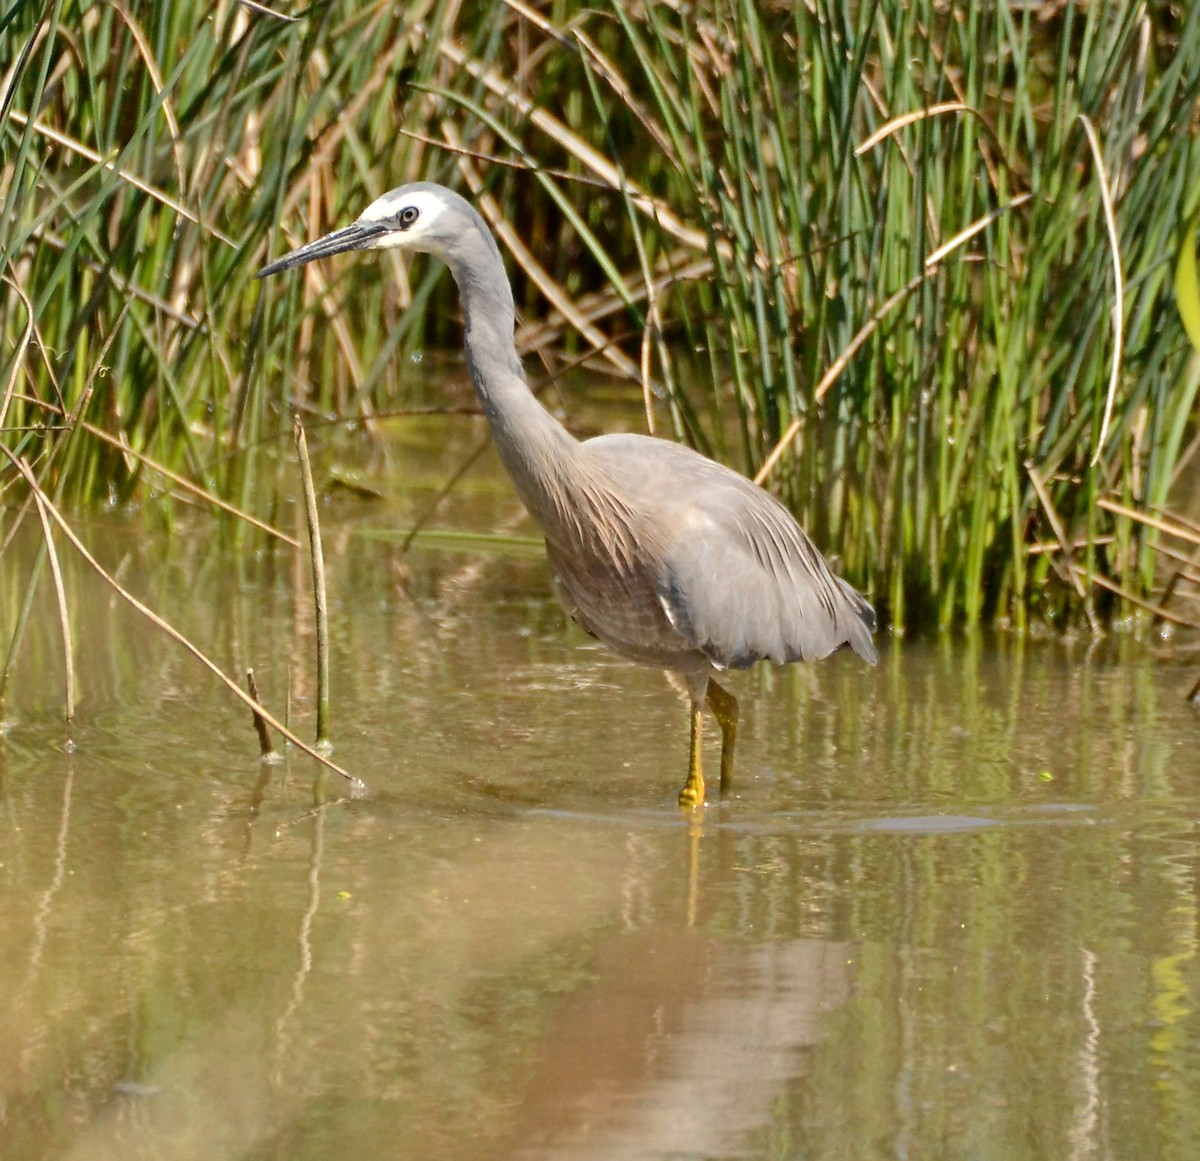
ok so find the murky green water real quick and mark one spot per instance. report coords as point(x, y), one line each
point(950, 912)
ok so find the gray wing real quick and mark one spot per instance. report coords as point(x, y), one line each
point(737, 576)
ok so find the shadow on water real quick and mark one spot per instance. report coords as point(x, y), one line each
point(950, 910)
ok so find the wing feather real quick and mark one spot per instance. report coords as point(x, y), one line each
point(738, 578)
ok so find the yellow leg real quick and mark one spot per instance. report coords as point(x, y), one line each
point(725, 709)
point(692, 794)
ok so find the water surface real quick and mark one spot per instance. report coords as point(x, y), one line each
point(949, 911)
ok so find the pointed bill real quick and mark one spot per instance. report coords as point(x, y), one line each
point(361, 235)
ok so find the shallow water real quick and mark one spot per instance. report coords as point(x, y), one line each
point(949, 911)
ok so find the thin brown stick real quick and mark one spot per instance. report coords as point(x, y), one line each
point(162, 92)
point(1043, 547)
point(318, 575)
point(672, 268)
point(1192, 526)
point(47, 238)
point(356, 784)
point(62, 434)
point(265, 746)
point(523, 165)
point(463, 468)
point(1171, 529)
point(263, 10)
point(1158, 611)
point(1187, 559)
point(651, 337)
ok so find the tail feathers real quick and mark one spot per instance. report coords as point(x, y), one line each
point(862, 624)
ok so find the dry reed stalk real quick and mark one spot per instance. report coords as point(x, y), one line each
point(318, 574)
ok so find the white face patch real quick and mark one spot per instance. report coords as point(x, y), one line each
point(391, 207)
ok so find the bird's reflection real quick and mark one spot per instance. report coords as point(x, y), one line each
point(681, 1047)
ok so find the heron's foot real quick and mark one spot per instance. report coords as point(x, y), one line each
point(691, 795)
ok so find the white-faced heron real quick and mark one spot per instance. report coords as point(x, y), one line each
point(669, 558)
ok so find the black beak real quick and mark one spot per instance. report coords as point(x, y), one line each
point(354, 237)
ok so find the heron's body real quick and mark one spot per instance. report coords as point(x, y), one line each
point(669, 558)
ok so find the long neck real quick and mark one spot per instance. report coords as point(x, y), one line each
point(540, 455)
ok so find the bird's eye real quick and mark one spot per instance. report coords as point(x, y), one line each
point(408, 215)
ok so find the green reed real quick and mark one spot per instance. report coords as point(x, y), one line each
point(696, 182)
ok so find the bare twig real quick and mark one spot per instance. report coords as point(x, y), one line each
point(318, 575)
point(1171, 529)
point(164, 95)
point(1157, 610)
point(265, 746)
point(463, 468)
point(1049, 547)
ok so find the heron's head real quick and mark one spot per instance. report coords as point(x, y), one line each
point(421, 217)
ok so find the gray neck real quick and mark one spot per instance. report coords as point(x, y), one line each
point(541, 456)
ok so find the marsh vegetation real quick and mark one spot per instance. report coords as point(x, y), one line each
point(753, 214)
